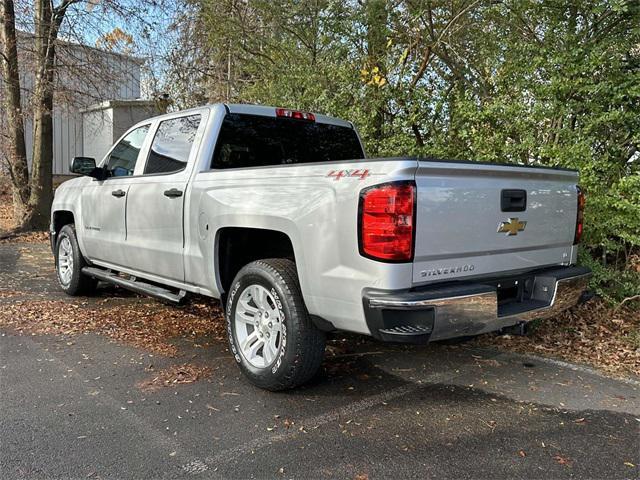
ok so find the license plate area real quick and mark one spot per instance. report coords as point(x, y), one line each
point(516, 295)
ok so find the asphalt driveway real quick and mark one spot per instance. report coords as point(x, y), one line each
point(71, 407)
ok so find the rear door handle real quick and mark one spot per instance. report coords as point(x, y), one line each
point(173, 193)
point(118, 193)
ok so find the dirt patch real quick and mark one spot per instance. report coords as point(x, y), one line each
point(7, 223)
point(6, 211)
point(175, 375)
point(10, 293)
point(151, 326)
point(25, 237)
point(594, 333)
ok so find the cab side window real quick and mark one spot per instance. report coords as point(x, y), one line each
point(172, 145)
point(123, 157)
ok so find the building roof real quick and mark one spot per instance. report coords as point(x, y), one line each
point(75, 45)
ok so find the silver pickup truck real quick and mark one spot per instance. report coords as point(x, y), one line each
point(281, 216)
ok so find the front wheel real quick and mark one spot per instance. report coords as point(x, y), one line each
point(69, 264)
point(271, 334)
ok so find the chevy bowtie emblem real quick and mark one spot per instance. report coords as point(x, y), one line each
point(512, 227)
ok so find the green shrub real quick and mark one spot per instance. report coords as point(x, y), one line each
point(550, 82)
point(611, 283)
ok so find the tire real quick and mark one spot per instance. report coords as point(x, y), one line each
point(69, 264)
point(265, 298)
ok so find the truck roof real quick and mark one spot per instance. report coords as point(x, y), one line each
point(249, 109)
point(268, 111)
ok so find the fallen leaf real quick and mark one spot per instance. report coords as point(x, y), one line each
point(562, 460)
point(595, 333)
point(176, 375)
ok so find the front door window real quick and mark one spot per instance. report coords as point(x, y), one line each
point(122, 159)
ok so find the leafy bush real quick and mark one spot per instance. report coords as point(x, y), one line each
point(611, 283)
point(549, 82)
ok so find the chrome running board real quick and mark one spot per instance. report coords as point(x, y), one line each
point(135, 285)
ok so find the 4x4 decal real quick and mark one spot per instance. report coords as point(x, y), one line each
point(359, 173)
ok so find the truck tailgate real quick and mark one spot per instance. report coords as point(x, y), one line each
point(472, 219)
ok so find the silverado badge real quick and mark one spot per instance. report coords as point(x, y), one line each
point(512, 227)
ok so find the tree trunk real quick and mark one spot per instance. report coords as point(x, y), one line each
point(376, 24)
point(16, 151)
point(47, 25)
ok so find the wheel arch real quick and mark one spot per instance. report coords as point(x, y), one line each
point(59, 218)
point(67, 216)
point(236, 246)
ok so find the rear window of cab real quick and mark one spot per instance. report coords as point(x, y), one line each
point(258, 141)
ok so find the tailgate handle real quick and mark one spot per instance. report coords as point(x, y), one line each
point(513, 200)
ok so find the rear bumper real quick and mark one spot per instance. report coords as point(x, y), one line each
point(470, 308)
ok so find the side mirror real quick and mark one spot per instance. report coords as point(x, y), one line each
point(83, 165)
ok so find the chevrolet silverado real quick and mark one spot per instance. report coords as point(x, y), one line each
point(280, 215)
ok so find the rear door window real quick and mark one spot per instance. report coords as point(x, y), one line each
point(172, 144)
point(256, 141)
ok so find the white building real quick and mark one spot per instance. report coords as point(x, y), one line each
point(97, 97)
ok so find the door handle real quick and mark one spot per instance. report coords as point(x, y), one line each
point(118, 193)
point(173, 193)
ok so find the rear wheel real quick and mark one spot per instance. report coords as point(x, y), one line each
point(69, 264)
point(271, 335)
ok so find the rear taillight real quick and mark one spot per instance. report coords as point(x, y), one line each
point(283, 112)
point(387, 222)
point(580, 217)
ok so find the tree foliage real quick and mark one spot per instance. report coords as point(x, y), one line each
point(540, 82)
